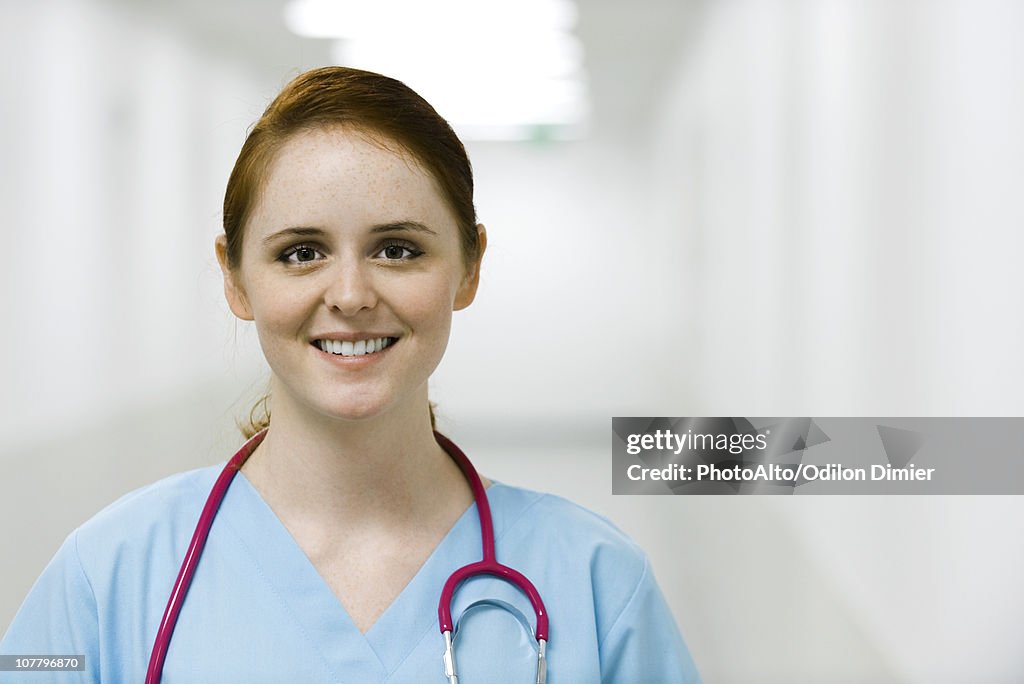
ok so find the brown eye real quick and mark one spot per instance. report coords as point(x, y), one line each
point(300, 254)
point(399, 251)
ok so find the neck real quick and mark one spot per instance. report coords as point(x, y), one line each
point(384, 470)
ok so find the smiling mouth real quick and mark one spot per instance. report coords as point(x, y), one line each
point(360, 348)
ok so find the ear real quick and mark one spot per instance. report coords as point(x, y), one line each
point(467, 290)
point(233, 291)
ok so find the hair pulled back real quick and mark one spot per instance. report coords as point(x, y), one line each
point(389, 112)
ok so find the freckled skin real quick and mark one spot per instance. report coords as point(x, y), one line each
point(344, 184)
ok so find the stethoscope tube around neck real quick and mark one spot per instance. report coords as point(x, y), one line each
point(489, 565)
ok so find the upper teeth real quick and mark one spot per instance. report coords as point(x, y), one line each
point(359, 348)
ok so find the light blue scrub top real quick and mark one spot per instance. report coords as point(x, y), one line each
point(258, 611)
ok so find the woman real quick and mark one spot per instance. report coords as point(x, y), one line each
point(350, 237)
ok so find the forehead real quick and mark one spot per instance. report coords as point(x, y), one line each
point(338, 177)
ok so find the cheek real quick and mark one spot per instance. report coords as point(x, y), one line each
point(428, 304)
point(277, 310)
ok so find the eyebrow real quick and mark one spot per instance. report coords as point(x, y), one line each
point(393, 227)
point(397, 226)
point(288, 232)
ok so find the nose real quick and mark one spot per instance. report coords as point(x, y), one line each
point(350, 288)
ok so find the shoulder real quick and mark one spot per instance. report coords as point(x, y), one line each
point(154, 501)
point(559, 520)
point(598, 588)
point(159, 514)
point(96, 595)
point(584, 543)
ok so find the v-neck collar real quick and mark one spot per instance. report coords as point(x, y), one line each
point(319, 612)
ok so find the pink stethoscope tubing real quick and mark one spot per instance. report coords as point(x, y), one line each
point(488, 566)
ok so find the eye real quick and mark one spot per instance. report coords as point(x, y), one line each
point(300, 254)
point(399, 251)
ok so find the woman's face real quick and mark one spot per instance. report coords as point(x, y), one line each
point(351, 266)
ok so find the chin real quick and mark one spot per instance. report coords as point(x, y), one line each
point(348, 411)
point(354, 414)
point(358, 402)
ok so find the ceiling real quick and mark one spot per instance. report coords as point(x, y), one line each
point(630, 48)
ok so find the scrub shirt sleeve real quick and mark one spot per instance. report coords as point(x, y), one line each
point(644, 644)
point(57, 618)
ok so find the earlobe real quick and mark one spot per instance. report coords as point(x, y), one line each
point(233, 292)
point(467, 290)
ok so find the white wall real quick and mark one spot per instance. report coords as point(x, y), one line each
point(845, 179)
point(118, 137)
point(846, 175)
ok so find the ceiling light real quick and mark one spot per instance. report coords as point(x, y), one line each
point(506, 71)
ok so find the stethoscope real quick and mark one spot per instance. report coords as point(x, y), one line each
point(489, 565)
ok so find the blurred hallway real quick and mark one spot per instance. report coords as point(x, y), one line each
point(779, 208)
